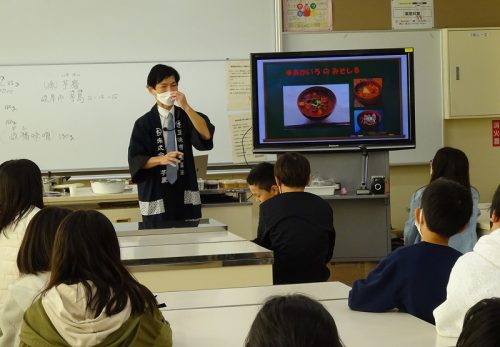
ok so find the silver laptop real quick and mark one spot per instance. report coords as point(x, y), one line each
point(201, 165)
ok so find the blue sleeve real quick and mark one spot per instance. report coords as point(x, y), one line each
point(411, 235)
point(378, 292)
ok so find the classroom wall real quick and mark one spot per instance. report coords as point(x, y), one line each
point(473, 136)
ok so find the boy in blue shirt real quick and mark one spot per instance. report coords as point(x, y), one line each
point(413, 279)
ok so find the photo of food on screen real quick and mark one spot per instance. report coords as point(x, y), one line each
point(368, 121)
point(316, 105)
point(367, 91)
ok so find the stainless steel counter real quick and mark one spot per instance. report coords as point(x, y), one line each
point(188, 257)
point(177, 239)
point(85, 195)
point(226, 253)
point(186, 244)
point(172, 227)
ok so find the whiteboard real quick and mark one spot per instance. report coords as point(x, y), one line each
point(428, 81)
point(93, 31)
point(101, 52)
point(80, 117)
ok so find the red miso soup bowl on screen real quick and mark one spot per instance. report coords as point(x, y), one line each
point(316, 102)
point(368, 92)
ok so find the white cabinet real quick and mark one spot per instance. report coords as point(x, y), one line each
point(237, 216)
point(471, 72)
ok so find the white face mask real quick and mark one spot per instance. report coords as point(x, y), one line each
point(278, 184)
point(165, 98)
point(417, 225)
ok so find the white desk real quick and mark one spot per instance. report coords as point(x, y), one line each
point(249, 295)
point(177, 239)
point(229, 326)
point(172, 261)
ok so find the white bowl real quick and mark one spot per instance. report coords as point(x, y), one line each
point(108, 186)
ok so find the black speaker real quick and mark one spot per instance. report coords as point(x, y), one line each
point(378, 185)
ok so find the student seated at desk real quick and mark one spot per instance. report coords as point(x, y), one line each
point(33, 262)
point(297, 226)
point(413, 278)
point(262, 185)
point(91, 299)
point(21, 197)
point(475, 276)
point(261, 182)
point(293, 321)
point(481, 325)
point(450, 163)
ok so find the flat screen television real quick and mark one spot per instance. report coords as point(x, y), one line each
point(339, 100)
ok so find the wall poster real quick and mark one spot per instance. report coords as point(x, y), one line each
point(314, 15)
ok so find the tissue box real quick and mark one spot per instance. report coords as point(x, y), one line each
point(321, 190)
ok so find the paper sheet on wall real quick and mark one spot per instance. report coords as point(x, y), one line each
point(495, 131)
point(238, 85)
point(412, 14)
point(303, 16)
point(241, 135)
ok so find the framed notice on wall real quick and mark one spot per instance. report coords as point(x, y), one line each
point(314, 15)
point(412, 14)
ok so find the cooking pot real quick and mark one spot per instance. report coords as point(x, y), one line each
point(50, 181)
point(108, 186)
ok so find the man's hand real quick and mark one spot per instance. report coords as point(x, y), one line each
point(180, 98)
point(171, 158)
point(198, 122)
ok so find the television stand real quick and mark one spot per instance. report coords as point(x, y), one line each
point(363, 190)
point(362, 222)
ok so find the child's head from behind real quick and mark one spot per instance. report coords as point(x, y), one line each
point(86, 252)
point(261, 181)
point(85, 244)
point(451, 163)
point(293, 321)
point(446, 207)
point(495, 210)
point(481, 325)
point(36, 248)
point(20, 189)
point(292, 170)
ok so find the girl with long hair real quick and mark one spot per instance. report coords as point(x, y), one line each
point(450, 163)
point(33, 262)
point(21, 197)
point(91, 299)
